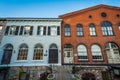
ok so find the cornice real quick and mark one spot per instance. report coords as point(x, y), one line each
point(89, 9)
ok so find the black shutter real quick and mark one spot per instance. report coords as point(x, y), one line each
point(38, 30)
point(48, 30)
point(17, 29)
point(7, 30)
point(58, 30)
point(44, 30)
point(21, 30)
point(31, 30)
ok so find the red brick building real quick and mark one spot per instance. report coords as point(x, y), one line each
point(91, 37)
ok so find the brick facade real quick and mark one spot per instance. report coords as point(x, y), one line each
point(85, 17)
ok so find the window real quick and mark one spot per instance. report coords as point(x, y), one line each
point(119, 26)
point(82, 53)
point(53, 30)
point(107, 28)
point(67, 30)
point(103, 14)
point(1, 29)
point(112, 51)
point(96, 53)
point(92, 29)
point(38, 52)
point(12, 30)
point(23, 52)
point(79, 30)
point(41, 30)
point(28, 30)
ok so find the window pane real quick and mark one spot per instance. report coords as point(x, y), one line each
point(67, 30)
point(92, 30)
point(21, 30)
point(96, 52)
point(79, 30)
point(107, 28)
point(53, 30)
point(17, 30)
point(27, 30)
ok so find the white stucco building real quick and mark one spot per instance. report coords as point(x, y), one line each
point(31, 42)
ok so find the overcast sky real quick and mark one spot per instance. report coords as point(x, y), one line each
point(47, 8)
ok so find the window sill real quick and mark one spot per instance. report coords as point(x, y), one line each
point(98, 60)
point(83, 60)
point(36, 60)
point(21, 61)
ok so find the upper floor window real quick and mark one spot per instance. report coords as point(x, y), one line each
point(107, 28)
point(67, 30)
point(92, 29)
point(96, 53)
point(119, 26)
point(12, 30)
point(23, 52)
point(28, 30)
point(1, 28)
point(53, 30)
point(41, 30)
point(79, 30)
point(82, 53)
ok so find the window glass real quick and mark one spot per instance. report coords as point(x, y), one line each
point(107, 28)
point(23, 52)
point(79, 30)
point(53, 30)
point(38, 52)
point(82, 52)
point(67, 30)
point(92, 29)
point(96, 53)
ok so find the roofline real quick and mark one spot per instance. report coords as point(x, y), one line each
point(29, 18)
point(86, 9)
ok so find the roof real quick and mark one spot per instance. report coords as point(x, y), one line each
point(88, 9)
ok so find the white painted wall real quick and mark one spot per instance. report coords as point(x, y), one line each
point(46, 41)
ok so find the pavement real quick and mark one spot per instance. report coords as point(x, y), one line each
point(63, 73)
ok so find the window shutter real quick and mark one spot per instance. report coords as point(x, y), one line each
point(7, 30)
point(58, 30)
point(44, 30)
point(21, 30)
point(38, 30)
point(48, 30)
point(17, 29)
point(31, 30)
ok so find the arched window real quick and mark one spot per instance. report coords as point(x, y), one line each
point(38, 52)
point(119, 26)
point(112, 51)
point(7, 54)
point(82, 52)
point(23, 52)
point(79, 30)
point(107, 28)
point(67, 30)
point(96, 53)
point(92, 29)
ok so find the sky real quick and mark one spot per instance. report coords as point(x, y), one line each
point(47, 8)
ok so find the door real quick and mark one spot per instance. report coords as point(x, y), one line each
point(53, 56)
point(6, 56)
